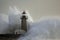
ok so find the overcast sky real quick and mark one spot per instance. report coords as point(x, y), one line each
point(37, 8)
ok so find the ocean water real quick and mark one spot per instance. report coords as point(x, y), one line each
point(47, 29)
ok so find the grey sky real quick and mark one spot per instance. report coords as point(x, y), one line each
point(37, 8)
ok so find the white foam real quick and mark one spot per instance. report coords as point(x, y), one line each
point(44, 30)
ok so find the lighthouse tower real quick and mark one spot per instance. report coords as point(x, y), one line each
point(24, 22)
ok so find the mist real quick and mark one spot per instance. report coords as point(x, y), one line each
point(45, 29)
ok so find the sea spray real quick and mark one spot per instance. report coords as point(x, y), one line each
point(4, 23)
point(47, 29)
point(15, 18)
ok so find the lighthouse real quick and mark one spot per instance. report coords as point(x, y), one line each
point(24, 22)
